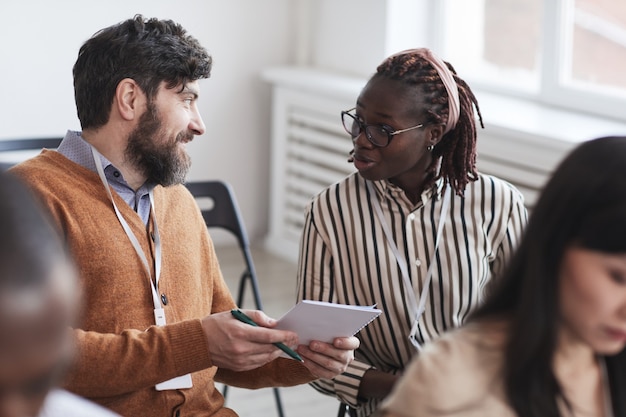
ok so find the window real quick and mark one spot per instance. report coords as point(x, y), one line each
point(569, 53)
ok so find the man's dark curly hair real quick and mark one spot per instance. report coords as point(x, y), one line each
point(149, 51)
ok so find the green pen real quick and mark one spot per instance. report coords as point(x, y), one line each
point(239, 315)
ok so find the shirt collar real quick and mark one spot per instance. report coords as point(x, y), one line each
point(392, 191)
point(75, 148)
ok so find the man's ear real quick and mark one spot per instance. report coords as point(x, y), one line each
point(128, 99)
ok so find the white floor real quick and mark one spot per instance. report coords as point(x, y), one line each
point(277, 282)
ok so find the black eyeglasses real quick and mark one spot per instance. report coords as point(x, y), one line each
point(378, 135)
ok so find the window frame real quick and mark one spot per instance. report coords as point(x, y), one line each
point(553, 88)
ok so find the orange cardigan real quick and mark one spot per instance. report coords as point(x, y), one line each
point(121, 354)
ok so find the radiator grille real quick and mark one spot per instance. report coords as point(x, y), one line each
point(316, 156)
point(525, 161)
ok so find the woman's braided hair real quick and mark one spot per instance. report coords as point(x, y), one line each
point(457, 148)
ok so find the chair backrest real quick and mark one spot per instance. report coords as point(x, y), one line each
point(224, 211)
point(14, 145)
point(29, 144)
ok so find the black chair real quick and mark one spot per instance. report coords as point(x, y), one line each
point(224, 213)
point(14, 145)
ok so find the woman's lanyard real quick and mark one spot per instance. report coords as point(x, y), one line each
point(418, 308)
point(159, 315)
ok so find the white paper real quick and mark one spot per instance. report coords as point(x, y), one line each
point(319, 320)
point(180, 382)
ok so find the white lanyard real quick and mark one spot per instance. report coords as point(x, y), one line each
point(418, 308)
point(159, 315)
point(179, 382)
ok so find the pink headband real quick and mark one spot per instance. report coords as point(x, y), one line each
point(454, 105)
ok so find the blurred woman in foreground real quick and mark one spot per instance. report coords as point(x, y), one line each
point(550, 339)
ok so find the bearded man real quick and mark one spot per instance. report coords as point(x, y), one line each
point(156, 332)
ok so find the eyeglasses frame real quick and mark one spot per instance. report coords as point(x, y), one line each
point(363, 127)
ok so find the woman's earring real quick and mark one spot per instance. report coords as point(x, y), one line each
point(430, 148)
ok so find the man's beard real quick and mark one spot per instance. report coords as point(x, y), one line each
point(160, 159)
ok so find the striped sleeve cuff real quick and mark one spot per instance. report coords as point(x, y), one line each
point(346, 385)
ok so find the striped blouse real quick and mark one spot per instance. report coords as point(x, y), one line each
point(345, 258)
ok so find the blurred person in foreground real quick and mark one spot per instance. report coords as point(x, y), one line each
point(549, 341)
point(39, 301)
point(418, 231)
point(157, 331)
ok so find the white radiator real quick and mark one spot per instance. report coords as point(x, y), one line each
point(309, 152)
point(310, 149)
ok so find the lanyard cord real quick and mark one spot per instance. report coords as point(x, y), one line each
point(131, 236)
point(179, 382)
point(418, 308)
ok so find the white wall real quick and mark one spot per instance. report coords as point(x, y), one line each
point(39, 41)
point(352, 37)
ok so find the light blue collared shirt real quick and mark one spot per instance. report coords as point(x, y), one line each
point(77, 150)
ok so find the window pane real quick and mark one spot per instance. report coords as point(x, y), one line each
point(512, 31)
point(495, 40)
point(598, 59)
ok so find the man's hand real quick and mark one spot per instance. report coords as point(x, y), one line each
point(327, 361)
point(239, 346)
